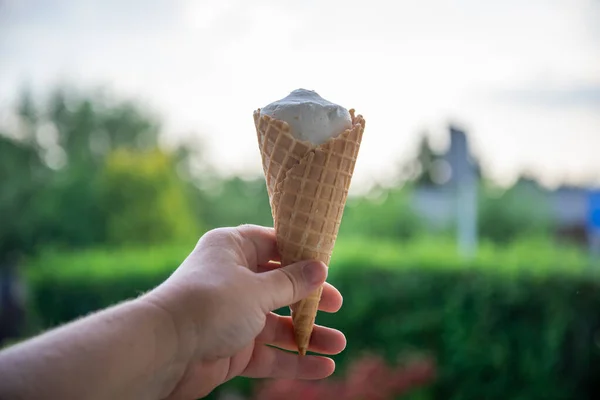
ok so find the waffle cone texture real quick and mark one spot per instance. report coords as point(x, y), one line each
point(308, 187)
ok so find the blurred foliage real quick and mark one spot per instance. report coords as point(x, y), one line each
point(519, 211)
point(144, 200)
point(431, 168)
point(517, 322)
point(22, 177)
point(493, 337)
point(85, 169)
point(102, 211)
point(235, 201)
point(421, 169)
point(60, 159)
point(533, 256)
point(383, 213)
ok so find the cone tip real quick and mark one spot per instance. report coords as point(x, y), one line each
point(302, 351)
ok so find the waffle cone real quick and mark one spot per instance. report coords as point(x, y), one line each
point(308, 187)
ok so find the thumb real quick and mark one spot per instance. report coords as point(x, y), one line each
point(284, 286)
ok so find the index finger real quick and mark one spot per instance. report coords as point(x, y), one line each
point(259, 245)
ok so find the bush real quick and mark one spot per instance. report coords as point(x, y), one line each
point(493, 337)
point(65, 286)
point(520, 323)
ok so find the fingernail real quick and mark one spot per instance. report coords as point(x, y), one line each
point(314, 273)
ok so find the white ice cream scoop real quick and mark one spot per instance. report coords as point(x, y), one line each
point(310, 117)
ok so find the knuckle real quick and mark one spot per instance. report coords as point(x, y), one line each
point(213, 235)
point(293, 280)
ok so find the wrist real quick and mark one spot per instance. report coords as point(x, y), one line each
point(179, 313)
point(173, 341)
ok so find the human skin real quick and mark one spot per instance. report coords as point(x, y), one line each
point(210, 321)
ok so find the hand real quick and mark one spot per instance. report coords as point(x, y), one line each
point(221, 301)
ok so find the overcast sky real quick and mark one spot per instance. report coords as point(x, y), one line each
point(523, 77)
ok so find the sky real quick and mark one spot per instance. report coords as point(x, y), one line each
point(521, 77)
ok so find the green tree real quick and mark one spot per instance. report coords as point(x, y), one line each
point(421, 168)
point(64, 162)
point(22, 177)
point(144, 200)
point(383, 213)
point(88, 127)
point(522, 210)
point(51, 160)
point(233, 201)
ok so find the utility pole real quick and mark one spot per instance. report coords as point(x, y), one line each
point(465, 185)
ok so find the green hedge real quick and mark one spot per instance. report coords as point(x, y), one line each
point(495, 337)
point(521, 322)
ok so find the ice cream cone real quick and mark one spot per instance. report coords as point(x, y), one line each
point(308, 187)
